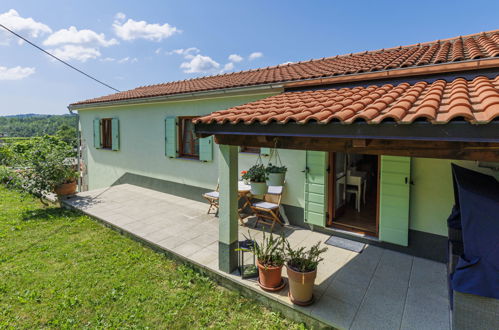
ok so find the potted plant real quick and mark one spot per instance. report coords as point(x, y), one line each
point(275, 174)
point(301, 266)
point(270, 258)
point(257, 178)
point(246, 181)
point(67, 178)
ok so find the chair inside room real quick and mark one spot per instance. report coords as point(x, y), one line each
point(267, 210)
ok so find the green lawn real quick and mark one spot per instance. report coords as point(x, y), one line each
point(61, 269)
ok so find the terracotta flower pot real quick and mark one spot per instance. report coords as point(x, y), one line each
point(65, 189)
point(258, 188)
point(301, 286)
point(276, 179)
point(269, 277)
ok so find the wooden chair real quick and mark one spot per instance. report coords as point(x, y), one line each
point(267, 210)
point(213, 197)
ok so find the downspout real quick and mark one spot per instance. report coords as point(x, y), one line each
point(78, 148)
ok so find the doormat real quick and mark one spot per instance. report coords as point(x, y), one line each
point(346, 244)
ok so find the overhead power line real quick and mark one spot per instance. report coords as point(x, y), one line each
point(58, 59)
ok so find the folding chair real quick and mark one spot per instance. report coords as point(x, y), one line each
point(212, 197)
point(267, 210)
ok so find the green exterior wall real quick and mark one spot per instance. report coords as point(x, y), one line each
point(142, 147)
point(142, 152)
point(432, 194)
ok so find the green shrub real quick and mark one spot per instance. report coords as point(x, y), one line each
point(45, 165)
point(9, 177)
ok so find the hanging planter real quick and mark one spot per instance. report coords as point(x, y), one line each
point(275, 173)
point(257, 177)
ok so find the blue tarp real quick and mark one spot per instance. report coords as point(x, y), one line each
point(477, 197)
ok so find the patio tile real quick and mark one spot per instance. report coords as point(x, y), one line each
point(355, 274)
point(383, 304)
point(170, 243)
point(428, 278)
point(187, 249)
point(347, 292)
point(205, 240)
point(159, 235)
point(425, 312)
point(334, 311)
point(119, 219)
point(204, 256)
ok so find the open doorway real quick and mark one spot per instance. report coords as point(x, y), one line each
point(353, 191)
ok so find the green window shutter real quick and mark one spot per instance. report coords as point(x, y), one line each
point(316, 188)
point(115, 130)
point(97, 140)
point(171, 137)
point(265, 151)
point(394, 199)
point(206, 149)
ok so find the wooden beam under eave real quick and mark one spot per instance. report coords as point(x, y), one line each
point(483, 151)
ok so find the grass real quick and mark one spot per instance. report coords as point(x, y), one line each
point(61, 269)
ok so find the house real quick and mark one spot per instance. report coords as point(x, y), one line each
point(397, 116)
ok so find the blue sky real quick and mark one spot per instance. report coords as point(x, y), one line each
point(134, 43)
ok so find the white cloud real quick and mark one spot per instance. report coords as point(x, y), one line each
point(228, 67)
point(128, 59)
point(288, 62)
point(107, 59)
point(74, 36)
point(235, 58)
point(15, 73)
point(200, 64)
point(120, 16)
point(157, 51)
point(79, 53)
point(12, 20)
point(131, 29)
point(255, 55)
point(186, 52)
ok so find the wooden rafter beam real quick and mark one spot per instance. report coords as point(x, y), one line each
point(483, 151)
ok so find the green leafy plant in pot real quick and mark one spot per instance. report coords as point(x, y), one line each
point(301, 267)
point(257, 177)
point(270, 257)
point(275, 174)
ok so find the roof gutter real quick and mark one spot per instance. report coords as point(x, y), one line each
point(258, 89)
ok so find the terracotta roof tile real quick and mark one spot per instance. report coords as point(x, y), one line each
point(478, 46)
point(477, 101)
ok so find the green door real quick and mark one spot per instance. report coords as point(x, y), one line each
point(316, 188)
point(394, 199)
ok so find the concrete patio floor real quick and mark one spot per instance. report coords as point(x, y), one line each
point(376, 289)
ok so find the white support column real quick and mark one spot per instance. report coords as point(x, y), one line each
point(228, 217)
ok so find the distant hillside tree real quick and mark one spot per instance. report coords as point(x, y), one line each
point(37, 125)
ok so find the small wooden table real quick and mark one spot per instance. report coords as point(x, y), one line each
point(243, 191)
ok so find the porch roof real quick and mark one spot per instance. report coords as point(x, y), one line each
point(439, 102)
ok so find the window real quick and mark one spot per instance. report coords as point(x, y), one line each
point(106, 133)
point(252, 150)
point(188, 142)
